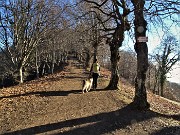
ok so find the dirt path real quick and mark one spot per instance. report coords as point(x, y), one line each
point(55, 105)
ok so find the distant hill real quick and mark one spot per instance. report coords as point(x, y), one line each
point(174, 89)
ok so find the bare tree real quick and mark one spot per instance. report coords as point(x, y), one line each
point(128, 64)
point(166, 57)
point(162, 15)
point(140, 99)
point(114, 23)
point(23, 26)
point(159, 11)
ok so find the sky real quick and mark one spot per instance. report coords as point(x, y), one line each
point(175, 74)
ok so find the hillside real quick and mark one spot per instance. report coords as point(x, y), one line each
point(54, 104)
point(173, 91)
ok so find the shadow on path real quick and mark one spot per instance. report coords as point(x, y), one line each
point(173, 130)
point(45, 93)
point(50, 93)
point(97, 124)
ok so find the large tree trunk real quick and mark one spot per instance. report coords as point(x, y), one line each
point(113, 84)
point(162, 89)
point(140, 99)
point(162, 82)
point(116, 42)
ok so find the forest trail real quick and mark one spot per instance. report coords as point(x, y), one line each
point(55, 104)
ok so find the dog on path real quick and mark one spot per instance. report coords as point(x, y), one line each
point(87, 84)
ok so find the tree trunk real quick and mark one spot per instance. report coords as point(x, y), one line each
point(43, 69)
point(37, 67)
point(53, 57)
point(162, 82)
point(95, 51)
point(140, 99)
point(87, 61)
point(162, 89)
point(156, 81)
point(53, 62)
point(113, 84)
point(149, 80)
point(52, 67)
point(21, 74)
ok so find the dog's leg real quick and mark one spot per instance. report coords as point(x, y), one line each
point(83, 86)
point(89, 88)
point(83, 89)
point(86, 89)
